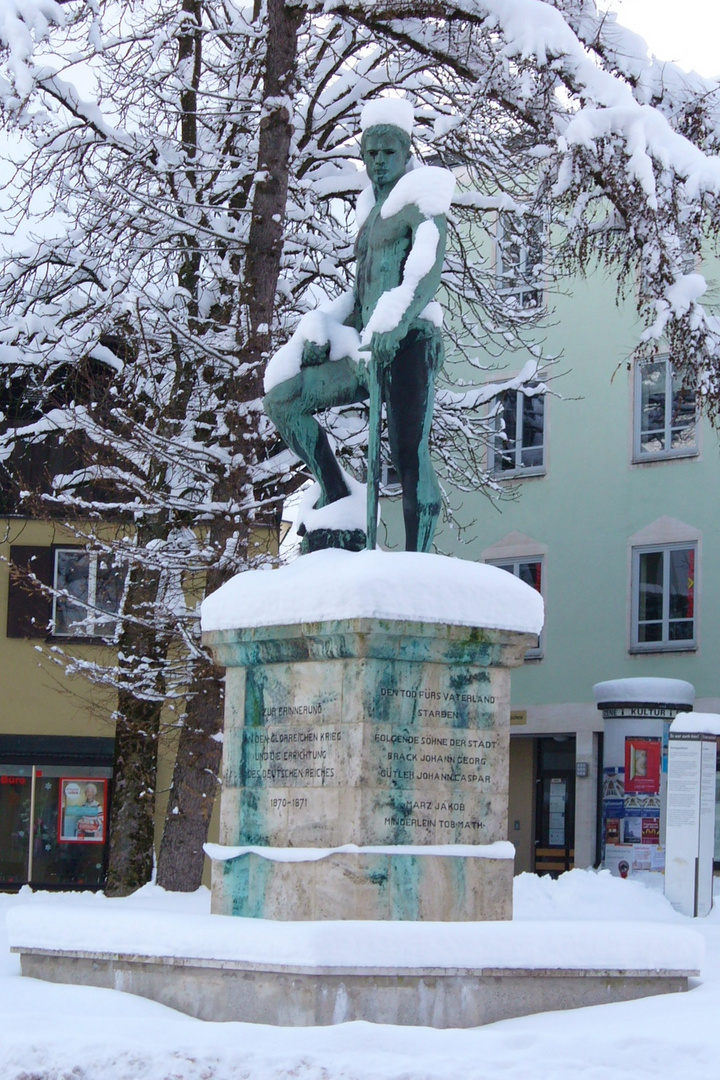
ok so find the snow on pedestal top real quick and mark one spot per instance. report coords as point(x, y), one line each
point(399, 586)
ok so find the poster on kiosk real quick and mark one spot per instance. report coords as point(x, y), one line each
point(637, 714)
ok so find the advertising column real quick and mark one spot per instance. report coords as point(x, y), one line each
point(637, 715)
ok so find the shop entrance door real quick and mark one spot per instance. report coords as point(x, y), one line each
point(555, 805)
point(15, 814)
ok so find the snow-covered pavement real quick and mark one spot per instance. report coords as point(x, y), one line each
point(50, 1032)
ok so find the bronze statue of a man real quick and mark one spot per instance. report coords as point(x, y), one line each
point(389, 321)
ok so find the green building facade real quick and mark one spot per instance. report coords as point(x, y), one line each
point(617, 522)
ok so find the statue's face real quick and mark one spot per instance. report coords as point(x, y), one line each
point(385, 154)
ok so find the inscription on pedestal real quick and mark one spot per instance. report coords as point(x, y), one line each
point(286, 756)
point(414, 759)
point(366, 732)
point(436, 758)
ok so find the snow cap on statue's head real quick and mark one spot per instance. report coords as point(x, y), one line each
point(388, 111)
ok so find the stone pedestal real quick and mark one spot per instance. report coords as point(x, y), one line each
point(367, 732)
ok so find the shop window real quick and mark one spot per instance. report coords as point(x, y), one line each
point(519, 443)
point(664, 597)
point(531, 572)
point(15, 825)
point(53, 811)
point(53, 826)
point(89, 591)
point(665, 412)
point(519, 260)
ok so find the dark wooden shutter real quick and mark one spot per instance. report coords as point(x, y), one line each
point(29, 609)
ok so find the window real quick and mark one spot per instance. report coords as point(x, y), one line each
point(531, 572)
point(519, 444)
point(665, 412)
point(519, 259)
point(664, 597)
point(90, 590)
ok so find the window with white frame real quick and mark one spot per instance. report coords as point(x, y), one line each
point(529, 570)
point(664, 597)
point(519, 443)
point(89, 589)
point(665, 412)
point(519, 259)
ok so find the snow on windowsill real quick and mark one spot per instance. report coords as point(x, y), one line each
point(665, 455)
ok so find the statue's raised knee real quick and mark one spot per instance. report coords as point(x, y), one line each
point(276, 404)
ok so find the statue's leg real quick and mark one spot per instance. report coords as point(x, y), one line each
point(410, 396)
point(291, 406)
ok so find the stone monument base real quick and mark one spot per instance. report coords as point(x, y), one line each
point(283, 996)
point(367, 706)
point(303, 974)
point(366, 884)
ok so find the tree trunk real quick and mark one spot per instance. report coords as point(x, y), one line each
point(141, 656)
point(195, 779)
point(265, 241)
point(195, 776)
point(132, 815)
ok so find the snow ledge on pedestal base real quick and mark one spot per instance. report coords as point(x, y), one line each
point(304, 974)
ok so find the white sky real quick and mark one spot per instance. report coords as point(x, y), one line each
point(685, 31)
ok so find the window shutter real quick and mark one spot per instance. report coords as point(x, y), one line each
point(29, 610)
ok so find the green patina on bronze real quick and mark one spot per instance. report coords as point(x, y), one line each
point(401, 369)
point(255, 696)
point(247, 884)
point(376, 639)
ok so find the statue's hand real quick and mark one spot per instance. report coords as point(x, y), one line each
point(384, 346)
point(313, 354)
point(362, 364)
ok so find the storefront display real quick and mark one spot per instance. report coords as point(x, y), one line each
point(53, 818)
point(82, 812)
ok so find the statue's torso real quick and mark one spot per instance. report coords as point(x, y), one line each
point(383, 245)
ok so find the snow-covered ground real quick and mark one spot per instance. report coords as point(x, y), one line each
point(50, 1032)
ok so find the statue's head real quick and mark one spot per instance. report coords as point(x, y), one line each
point(386, 125)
